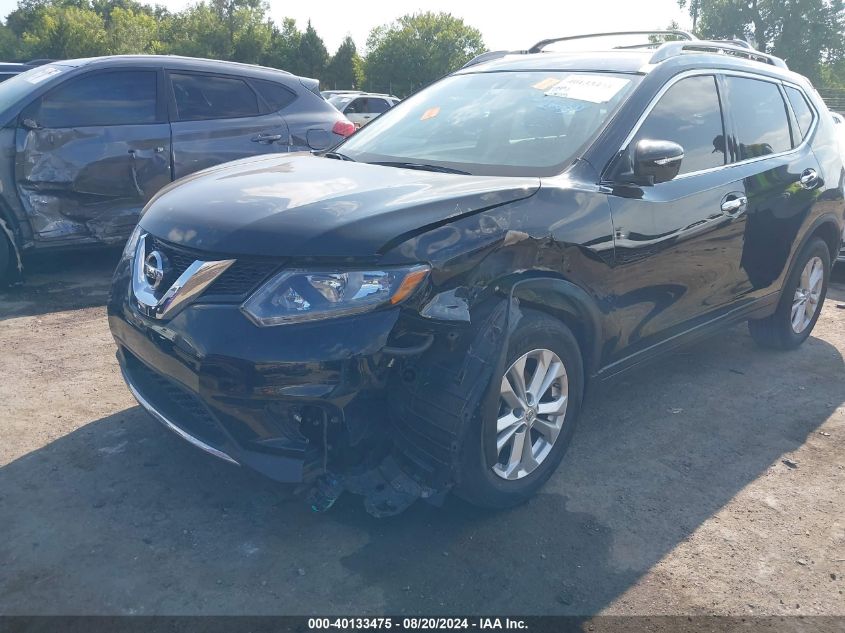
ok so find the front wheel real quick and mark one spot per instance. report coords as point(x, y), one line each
point(6, 259)
point(539, 399)
point(801, 302)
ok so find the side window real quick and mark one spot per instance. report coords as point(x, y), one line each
point(200, 97)
point(276, 95)
point(377, 106)
point(802, 110)
point(689, 114)
point(358, 106)
point(759, 115)
point(107, 98)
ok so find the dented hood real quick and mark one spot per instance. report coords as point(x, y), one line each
point(309, 206)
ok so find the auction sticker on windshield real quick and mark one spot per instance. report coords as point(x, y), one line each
point(592, 88)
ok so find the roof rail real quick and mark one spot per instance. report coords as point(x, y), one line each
point(539, 46)
point(486, 57)
point(673, 49)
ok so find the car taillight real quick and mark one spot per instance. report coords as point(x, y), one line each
point(344, 128)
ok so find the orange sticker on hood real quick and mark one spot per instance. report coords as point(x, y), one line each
point(430, 113)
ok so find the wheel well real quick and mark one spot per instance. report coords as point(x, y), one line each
point(580, 328)
point(829, 232)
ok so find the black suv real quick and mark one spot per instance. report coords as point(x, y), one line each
point(421, 308)
point(85, 143)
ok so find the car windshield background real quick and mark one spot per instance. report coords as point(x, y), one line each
point(499, 123)
point(689, 114)
point(109, 98)
point(763, 129)
point(201, 97)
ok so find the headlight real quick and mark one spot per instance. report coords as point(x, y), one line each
point(293, 296)
point(132, 243)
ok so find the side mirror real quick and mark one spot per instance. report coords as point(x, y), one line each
point(656, 161)
point(30, 124)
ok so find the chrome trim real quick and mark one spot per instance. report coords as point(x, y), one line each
point(170, 425)
point(191, 283)
point(725, 72)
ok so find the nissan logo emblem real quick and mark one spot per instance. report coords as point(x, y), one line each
point(154, 269)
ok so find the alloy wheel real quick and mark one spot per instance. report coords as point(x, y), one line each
point(532, 406)
point(805, 303)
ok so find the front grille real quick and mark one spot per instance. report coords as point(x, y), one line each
point(238, 281)
point(177, 404)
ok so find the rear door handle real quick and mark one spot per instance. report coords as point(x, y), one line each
point(266, 138)
point(809, 178)
point(733, 204)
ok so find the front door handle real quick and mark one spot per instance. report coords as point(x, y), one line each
point(734, 205)
point(809, 178)
point(266, 138)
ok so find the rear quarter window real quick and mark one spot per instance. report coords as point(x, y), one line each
point(277, 96)
point(803, 113)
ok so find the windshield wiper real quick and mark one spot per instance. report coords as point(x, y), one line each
point(421, 166)
point(337, 156)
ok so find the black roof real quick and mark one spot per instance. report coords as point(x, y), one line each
point(173, 61)
point(637, 61)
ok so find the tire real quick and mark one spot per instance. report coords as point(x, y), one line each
point(777, 331)
point(479, 481)
point(6, 267)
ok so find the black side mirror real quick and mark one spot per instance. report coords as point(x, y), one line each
point(656, 161)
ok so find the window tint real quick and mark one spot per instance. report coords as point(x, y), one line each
point(759, 115)
point(209, 97)
point(802, 112)
point(277, 96)
point(378, 106)
point(689, 114)
point(113, 98)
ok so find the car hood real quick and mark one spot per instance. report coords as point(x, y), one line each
point(308, 206)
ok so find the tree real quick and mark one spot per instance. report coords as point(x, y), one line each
point(130, 31)
point(64, 32)
point(222, 29)
point(416, 49)
point(806, 33)
point(345, 69)
point(283, 46)
point(312, 57)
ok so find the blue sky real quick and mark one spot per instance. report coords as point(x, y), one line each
point(504, 25)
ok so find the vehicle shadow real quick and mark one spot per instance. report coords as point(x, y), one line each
point(61, 281)
point(120, 516)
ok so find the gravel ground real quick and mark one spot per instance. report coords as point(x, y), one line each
point(710, 483)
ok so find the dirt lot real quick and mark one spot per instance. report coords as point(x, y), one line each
point(711, 483)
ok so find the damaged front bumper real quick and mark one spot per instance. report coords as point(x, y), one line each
point(289, 402)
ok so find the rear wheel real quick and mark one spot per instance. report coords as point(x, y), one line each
point(801, 302)
point(539, 399)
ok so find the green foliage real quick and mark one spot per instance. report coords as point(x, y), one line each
point(312, 56)
point(417, 49)
point(808, 34)
point(63, 32)
point(403, 56)
point(346, 68)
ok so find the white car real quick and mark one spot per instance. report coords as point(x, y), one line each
point(363, 108)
